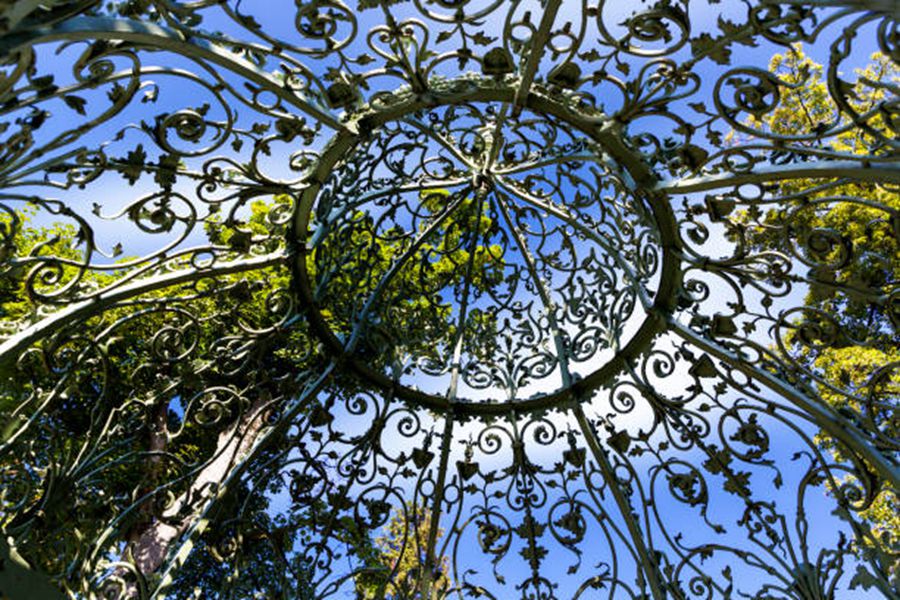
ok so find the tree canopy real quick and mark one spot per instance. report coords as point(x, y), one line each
point(172, 432)
point(848, 332)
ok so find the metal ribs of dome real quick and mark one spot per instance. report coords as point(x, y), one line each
point(601, 148)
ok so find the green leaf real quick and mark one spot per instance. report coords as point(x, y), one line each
point(737, 32)
point(43, 82)
point(718, 462)
point(863, 578)
point(248, 21)
point(166, 171)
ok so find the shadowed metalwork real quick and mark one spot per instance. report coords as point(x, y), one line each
point(450, 298)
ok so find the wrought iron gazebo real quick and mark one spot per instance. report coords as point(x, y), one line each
point(450, 298)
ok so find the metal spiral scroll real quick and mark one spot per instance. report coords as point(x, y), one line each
point(533, 273)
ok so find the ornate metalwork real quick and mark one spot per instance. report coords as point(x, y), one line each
point(454, 298)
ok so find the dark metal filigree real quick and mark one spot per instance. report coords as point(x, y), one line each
point(451, 298)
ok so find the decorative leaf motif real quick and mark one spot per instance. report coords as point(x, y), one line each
point(76, 103)
point(706, 46)
point(132, 167)
point(738, 483)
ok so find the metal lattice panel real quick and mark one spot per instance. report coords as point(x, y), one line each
point(451, 298)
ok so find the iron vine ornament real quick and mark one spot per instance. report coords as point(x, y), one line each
point(450, 298)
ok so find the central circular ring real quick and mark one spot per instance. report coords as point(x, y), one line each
point(464, 252)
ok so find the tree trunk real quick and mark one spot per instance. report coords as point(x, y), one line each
point(151, 539)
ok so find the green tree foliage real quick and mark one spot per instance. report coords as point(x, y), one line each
point(412, 320)
point(115, 433)
point(848, 333)
point(179, 409)
point(399, 557)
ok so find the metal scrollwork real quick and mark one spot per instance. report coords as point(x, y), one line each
point(451, 299)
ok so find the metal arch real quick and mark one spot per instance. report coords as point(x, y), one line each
point(825, 417)
point(157, 36)
point(15, 345)
point(886, 172)
point(596, 126)
point(538, 45)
